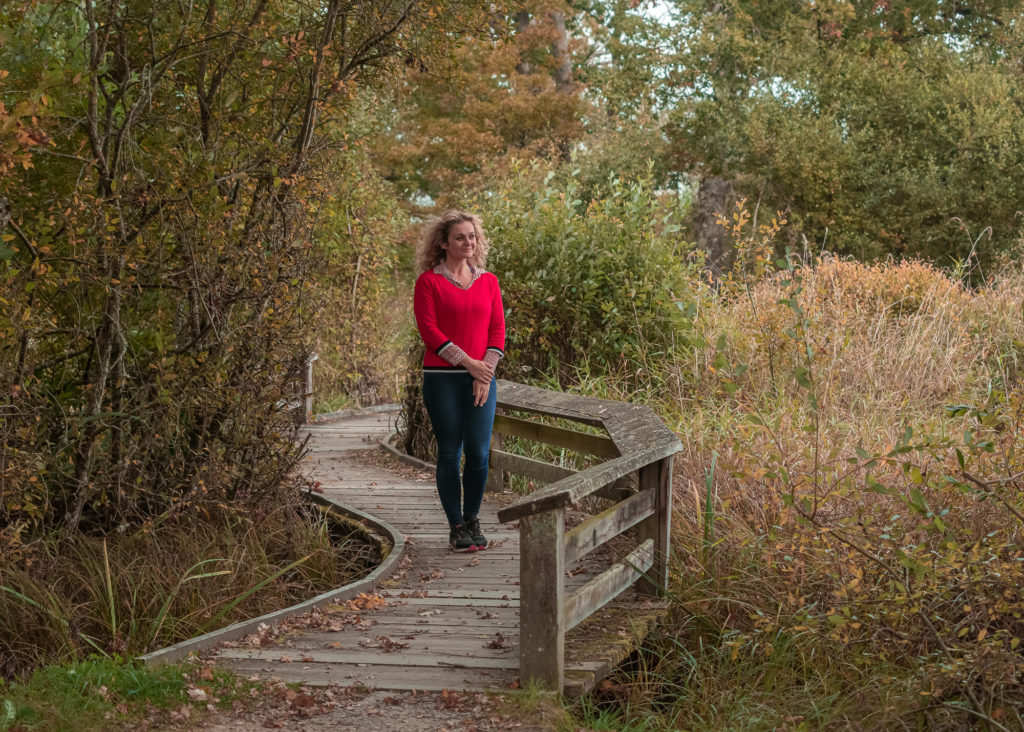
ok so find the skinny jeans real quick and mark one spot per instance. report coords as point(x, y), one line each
point(459, 427)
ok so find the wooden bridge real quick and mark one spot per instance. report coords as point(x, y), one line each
point(568, 588)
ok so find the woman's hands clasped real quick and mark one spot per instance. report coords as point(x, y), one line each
point(483, 374)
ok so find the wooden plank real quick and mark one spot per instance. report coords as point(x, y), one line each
point(495, 475)
point(636, 426)
point(393, 595)
point(502, 601)
point(598, 529)
point(438, 630)
point(557, 436)
point(608, 585)
point(546, 473)
point(633, 620)
point(535, 469)
point(574, 488)
point(583, 409)
point(375, 676)
point(402, 657)
point(442, 626)
point(657, 479)
point(542, 592)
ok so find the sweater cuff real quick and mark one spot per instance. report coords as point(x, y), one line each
point(492, 357)
point(452, 353)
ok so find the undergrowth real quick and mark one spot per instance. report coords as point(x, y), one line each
point(849, 507)
point(132, 593)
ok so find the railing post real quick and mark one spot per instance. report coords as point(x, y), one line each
point(542, 598)
point(657, 476)
point(307, 396)
point(495, 478)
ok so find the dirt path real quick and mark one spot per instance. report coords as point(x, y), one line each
point(339, 708)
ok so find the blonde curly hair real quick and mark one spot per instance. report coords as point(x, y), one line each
point(430, 251)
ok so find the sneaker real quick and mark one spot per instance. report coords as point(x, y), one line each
point(479, 540)
point(460, 539)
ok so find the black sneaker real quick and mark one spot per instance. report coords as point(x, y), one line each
point(479, 540)
point(460, 539)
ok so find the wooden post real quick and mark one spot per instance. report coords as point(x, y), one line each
point(542, 599)
point(658, 477)
point(307, 396)
point(495, 477)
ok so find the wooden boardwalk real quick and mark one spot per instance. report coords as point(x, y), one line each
point(444, 620)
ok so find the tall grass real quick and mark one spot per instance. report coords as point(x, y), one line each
point(852, 454)
point(129, 594)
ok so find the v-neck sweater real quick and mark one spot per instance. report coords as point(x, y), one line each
point(472, 318)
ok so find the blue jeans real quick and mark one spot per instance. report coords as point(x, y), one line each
point(458, 426)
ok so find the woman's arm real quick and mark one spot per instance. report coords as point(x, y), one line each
point(496, 330)
point(425, 310)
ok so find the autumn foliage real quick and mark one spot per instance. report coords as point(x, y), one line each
point(164, 168)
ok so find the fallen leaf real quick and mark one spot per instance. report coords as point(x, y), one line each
point(498, 641)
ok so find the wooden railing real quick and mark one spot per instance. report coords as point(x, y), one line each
point(637, 443)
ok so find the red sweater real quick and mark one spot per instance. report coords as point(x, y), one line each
point(472, 319)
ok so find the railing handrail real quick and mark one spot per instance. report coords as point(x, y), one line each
point(573, 488)
point(638, 442)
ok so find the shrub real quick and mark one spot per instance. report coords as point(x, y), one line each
point(849, 507)
point(611, 282)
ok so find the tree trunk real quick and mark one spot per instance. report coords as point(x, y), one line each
point(560, 50)
point(715, 195)
point(522, 21)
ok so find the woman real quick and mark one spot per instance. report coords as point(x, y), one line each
point(462, 322)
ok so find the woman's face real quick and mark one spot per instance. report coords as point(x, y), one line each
point(461, 240)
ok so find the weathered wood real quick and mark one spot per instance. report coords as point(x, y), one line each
point(455, 605)
point(598, 529)
point(533, 469)
point(406, 657)
point(378, 676)
point(586, 410)
point(542, 591)
point(657, 479)
point(490, 601)
point(636, 426)
point(608, 585)
point(495, 474)
point(575, 487)
point(633, 621)
point(557, 436)
point(547, 473)
point(620, 490)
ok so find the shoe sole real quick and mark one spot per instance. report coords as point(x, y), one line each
point(465, 550)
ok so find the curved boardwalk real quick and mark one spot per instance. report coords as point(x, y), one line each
point(444, 620)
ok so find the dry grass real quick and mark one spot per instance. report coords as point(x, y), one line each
point(129, 594)
point(854, 559)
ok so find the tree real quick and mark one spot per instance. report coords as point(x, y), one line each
point(888, 127)
point(163, 174)
point(513, 94)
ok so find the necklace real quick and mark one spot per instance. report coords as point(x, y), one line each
point(457, 281)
